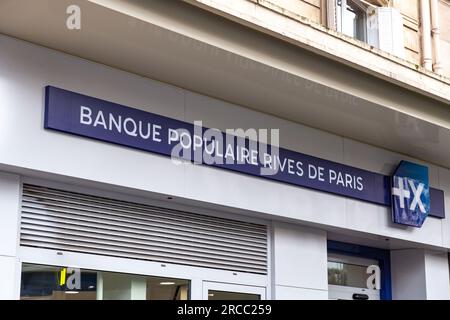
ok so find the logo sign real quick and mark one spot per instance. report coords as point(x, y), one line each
point(410, 194)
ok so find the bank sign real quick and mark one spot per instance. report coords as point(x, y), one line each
point(410, 194)
point(98, 119)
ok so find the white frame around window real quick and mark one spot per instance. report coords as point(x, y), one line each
point(228, 287)
point(341, 12)
point(196, 275)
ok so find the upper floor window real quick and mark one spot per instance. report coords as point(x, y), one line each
point(351, 18)
point(370, 21)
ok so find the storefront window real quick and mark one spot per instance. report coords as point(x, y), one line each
point(64, 283)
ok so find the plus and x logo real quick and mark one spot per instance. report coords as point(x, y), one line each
point(410, 194)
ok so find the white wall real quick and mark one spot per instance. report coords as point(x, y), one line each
point(419, 274)
point(408, 274)
point(9, 221)
point(437, 275)
point(25, 144)
point(299, 263)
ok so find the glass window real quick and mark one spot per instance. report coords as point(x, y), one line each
point(350, 271)
point(64, 283)
point(351, 18)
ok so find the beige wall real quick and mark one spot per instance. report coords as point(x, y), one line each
point(444, 10)
point(410, 12)
point(310, 9)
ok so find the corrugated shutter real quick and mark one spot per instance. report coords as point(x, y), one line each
point(68, 221)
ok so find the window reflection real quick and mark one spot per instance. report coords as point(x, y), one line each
point(61, 283)
point(345, 274)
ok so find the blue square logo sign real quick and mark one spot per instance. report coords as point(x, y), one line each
point(410, 194)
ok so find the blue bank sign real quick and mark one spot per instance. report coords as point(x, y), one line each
point(90, 117)
point(410, 194)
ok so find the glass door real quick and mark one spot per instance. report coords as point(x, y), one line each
point(226, 291)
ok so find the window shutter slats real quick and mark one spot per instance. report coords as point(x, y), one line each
point(68, 221)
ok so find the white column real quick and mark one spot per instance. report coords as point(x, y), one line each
point(419, 274)
point(9, 232)
point(99, 285)
point(196, 289)
point(299, 266)
point(435, 33)
point(331, 14)
point(408, 274)
point(138, 288)
point(437, 275)
point(427, 54)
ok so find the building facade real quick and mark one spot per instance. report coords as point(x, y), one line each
point(97, 95)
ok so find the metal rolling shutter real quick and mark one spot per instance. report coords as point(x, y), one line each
point(68, 221)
